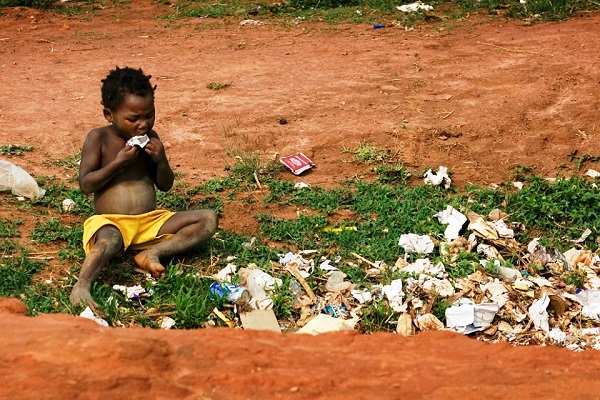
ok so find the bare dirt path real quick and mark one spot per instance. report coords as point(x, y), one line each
point(480, 97)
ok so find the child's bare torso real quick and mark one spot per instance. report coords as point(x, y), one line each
point(131, 190)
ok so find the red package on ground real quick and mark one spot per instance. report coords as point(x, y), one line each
point(297, 163)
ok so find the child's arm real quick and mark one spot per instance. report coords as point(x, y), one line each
point(164, 174)
point(92, 175)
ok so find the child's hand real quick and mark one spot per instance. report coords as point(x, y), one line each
point(156, 150)
point(126, 155)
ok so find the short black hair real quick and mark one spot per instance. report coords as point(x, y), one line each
point(123, 81)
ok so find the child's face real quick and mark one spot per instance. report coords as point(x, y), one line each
point(133, 117)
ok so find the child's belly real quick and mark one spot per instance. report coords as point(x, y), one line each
point(128, 197)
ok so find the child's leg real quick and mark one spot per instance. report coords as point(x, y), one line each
point(109, 243)
point(189, 229)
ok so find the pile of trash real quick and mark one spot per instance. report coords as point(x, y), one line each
point(534, 304)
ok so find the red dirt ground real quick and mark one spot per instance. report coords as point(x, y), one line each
point(480, 96)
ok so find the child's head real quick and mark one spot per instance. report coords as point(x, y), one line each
point(121, 82)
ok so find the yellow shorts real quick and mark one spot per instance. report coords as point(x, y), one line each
point(139, 231)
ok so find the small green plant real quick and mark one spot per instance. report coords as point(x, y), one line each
point(378, 316)
point(11, 150)
point(69, 162)
point(439, 308)
point(217, 85)
point(16, 272)
point(9, 228)
point(368, 153)
point(523, 173)
point(395, 174)
point(175, 199)
point(576, 278)
point(52, 230)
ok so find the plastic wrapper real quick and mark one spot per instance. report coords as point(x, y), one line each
point(18, 181)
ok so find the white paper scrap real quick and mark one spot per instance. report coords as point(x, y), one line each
point(455, 220)
point(413, 243)
point(89, 314)
point(539, 314)
point(326, 266)
point(363, 296)
point(393, 292)
point(130, 292)
point(166, 322)
point(416, 6)
point(438, 178)
point(224, 275)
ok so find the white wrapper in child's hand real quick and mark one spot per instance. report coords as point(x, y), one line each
point(141, 141)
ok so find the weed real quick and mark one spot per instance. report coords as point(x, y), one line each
point(283, 299)
point(378, 316)
point(523, 173)
point(9, 228)
point(439, 308)
point(466, 264)
point(576, 278)
point(565, 207)
point(16, 272)
point(217, 85)
point(175, 199)
point(369, 154)
point(52, 230)
point(69, 162)
point(395, 174)
point(11, 150)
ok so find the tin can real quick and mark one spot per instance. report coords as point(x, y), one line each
point(229, 291)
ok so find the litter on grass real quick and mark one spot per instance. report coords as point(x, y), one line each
point(15, 179)
point(417, 6)
point(531, 301)
point(438, 178)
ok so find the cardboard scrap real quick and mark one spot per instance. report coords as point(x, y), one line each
point(262, 320)
point(297, 164)
point(326, 323)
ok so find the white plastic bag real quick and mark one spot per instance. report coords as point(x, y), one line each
point(18, 181)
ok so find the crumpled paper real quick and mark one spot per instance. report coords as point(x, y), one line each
point(413, 243)
point(455, 220)
point(438, 178)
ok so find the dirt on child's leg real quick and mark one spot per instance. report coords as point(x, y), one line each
point(109, 243)
point(189, 229)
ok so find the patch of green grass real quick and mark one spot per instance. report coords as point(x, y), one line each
point(9, 228)
point(378, 316)
point(175, 199)
point(17, 271)
point(563, 209)
point(393, 174)
point(53, 230)
point(368, 153)
point(57, 192)
point(466, 264)
point(69, 162)
point(15, 150)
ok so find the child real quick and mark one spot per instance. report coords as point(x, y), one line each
point(124, 179)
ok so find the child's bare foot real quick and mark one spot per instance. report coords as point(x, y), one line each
point(82, 295)
point(149, 263)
